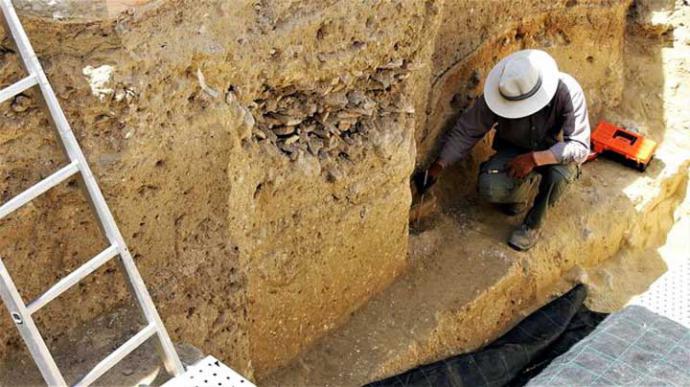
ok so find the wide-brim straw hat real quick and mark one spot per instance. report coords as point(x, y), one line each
point(521, 84)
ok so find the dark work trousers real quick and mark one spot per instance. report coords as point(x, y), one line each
point(495, 186)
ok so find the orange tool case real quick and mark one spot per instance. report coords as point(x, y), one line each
point(633, 147)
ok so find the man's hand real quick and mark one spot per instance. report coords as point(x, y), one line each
point(521, 166)
point(426, 179)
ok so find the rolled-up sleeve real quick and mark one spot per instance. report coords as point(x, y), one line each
point(467, 131)
point(576, 129)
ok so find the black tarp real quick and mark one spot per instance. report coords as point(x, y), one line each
point(515, 357)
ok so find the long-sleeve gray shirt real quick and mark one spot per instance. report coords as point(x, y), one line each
point(561, 126)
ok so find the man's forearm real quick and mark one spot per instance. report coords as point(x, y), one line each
point(570, 151)
point(545, 157)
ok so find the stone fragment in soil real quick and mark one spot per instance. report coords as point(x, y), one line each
point(284, 130)
point(21, 103)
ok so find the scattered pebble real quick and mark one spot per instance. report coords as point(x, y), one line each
point(21, 103)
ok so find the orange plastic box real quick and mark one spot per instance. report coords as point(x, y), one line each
point(632, 146)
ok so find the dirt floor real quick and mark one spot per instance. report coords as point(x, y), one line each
point(645, 105)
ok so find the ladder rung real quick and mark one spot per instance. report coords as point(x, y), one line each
point(17, 88)
point(40, 187)
point(72, 278)
point(125, 349)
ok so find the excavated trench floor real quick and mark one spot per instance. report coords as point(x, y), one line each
point(465, 282)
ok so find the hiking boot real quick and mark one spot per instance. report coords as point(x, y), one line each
point(523, 238)
point(513, 209)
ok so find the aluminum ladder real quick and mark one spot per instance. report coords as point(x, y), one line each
point(21, 312)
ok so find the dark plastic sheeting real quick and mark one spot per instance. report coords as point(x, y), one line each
point(517, 356)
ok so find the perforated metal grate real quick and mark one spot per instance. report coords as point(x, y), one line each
point(633, 347)
point(669, 296)
point(645, 344)
point(209, 372)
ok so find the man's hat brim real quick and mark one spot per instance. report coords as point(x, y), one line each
point(517, 109)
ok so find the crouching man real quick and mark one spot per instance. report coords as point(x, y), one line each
point(542, 137)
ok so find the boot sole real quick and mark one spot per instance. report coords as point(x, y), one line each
point(520, 248)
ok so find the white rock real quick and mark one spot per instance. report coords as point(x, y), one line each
point(98, 79)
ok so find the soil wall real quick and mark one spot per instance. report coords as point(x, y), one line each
point(585, 37)
point(257, 153)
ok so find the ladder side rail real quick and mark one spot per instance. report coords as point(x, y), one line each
point(8, 291)
point(7, 10)
point(28, 330)
point(165, 346)
point(170, 358)
point(16, 33)
point(69, 142)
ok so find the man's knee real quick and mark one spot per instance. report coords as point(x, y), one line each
point(560, 174)
point(494, 187)
point(500, 188)
point(557, 178)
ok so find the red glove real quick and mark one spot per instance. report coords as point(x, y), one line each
point(435, 169)
point(521, 166)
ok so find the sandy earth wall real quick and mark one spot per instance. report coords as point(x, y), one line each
point(585, 38)
point(465, 287)
point(257, 154)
